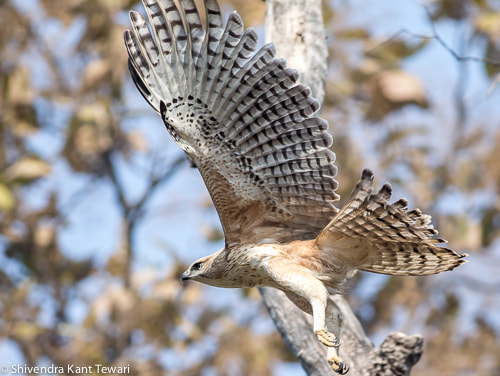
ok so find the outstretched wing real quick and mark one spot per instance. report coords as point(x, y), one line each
point(370, 234)
point(240, 116)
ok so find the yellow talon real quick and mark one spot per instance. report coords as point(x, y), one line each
point(338, 365)
point(327, 338)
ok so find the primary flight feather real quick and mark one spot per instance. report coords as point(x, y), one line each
point(251, 131)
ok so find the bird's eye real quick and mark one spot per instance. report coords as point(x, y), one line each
point(196, 266)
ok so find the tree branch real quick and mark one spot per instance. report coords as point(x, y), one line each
point(296, 29)
point(131, 213)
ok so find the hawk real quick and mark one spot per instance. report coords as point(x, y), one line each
point(253, 133)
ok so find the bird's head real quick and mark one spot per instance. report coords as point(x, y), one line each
point(204, 270)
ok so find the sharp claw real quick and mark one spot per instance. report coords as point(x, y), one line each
point(344, 368)
point(327, 339)
point(338, 365)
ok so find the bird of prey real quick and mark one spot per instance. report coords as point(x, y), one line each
point(252, 132)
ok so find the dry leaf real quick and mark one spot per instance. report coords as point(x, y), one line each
point(44, 235)
point(7, 199)
point(26, 170)
point(393, 90)
point(136, 139)
point(400, 87)
point(95, 73)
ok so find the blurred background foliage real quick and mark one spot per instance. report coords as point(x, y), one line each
point(100, 211)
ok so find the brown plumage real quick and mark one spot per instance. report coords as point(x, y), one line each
point(252, 132)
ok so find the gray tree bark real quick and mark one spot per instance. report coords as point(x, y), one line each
point(296, 28)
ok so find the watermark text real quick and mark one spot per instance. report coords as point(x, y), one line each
point(69, 369)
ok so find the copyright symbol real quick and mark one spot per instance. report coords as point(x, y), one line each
point(4, 369)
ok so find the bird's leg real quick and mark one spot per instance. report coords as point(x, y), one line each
point(334, 323)
point(300, 281)
point(311, 295)
point(327, 320)
point(331, 337)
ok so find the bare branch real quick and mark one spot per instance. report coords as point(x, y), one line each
point(155, 181)
point(435, 35)
point(296, 29)
point(440, 40)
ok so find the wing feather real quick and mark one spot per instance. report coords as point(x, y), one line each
point(219, 44)
point(242, 118)
point(231, 69)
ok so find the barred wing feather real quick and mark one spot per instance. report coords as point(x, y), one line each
point(241, 117)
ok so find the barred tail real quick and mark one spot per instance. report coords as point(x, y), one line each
point(373, 235)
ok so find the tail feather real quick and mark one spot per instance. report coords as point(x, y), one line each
point(372, 235)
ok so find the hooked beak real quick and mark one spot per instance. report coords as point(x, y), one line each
point(185, 276)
